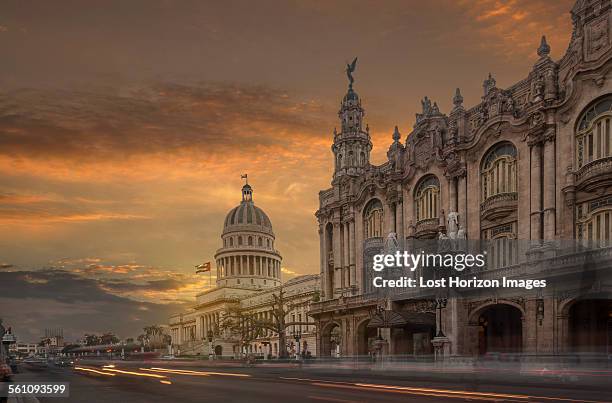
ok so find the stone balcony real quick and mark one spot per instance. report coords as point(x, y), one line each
point(342, 304)
point(499, 206)
point(595, 174)
point(373, 245)
point(427, 228)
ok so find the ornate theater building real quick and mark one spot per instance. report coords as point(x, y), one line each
point(527, 172)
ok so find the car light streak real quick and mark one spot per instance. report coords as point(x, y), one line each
point(449, 393)
point(94, 371)
point(406, 392)
point(189, 372)
point(165, 382)
point(134, 373)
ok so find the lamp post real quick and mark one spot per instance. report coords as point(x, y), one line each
point(7, 337)
point(297, 336)
point(440, 304)
point(211, 353)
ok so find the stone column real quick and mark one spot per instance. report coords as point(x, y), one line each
point(353, 276)
point(562, 333)
point(346, 258)
point(452, 195)
point(462, 200)
point(536, 193)
point(549, 190)
point(337, 256)
point(399, 221)
point(322, 257)
point(388, 219)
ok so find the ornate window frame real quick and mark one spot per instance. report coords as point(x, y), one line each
point(593, 134)
point(594, 221)
point(373, 219)
point(498, 171)
point(427, 199)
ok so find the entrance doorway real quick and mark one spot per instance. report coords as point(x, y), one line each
point(500, 329)
point(331, 339)
point(590, 326)
point(365, 337)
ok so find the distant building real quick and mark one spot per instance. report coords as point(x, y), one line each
point(248, 275)
point(24, 349)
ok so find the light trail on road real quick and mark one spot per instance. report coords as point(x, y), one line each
point(195, 373)
point(93, 371)
point(448, 393)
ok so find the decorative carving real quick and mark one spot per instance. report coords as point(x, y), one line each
point(597, 38)
point(488, 84)
point(538, 88)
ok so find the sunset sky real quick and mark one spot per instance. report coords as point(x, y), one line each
point(125, 126)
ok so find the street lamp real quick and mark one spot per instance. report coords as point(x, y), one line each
point(297, 335)
point(209, 336)
point(440, 304)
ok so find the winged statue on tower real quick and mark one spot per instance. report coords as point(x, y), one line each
point(350, 68)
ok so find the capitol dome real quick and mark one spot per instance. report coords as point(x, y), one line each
point(246, 214)
point(248, 257)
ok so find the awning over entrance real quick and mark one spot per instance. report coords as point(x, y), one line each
point(389, 318)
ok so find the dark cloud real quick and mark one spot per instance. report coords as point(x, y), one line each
point(36, 299)
point(114, 124)
point(118, 285)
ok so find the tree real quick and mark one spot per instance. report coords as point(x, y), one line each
point(277, 324)
point(92, 340)
point(240, 325)
point(154, 336)
point(244, 326)
point(281, 308)
point(109, 338)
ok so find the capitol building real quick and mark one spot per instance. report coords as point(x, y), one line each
point(248, 268)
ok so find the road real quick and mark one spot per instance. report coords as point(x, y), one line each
point(158, 381)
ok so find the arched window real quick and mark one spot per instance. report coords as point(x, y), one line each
point(259, 241)
point(593, 133)
point(373, 219)
point(240, 240)
point(250, 241)
point(498, 171)
point(231, 241)
point(594, 221)
point(427, 198)
point(503, 247)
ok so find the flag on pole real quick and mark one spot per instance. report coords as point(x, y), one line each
point(203, 268)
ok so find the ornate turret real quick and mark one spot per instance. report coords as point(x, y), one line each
point(544, 48)
point(488, 84)
point(396, 150)
point(352, 144)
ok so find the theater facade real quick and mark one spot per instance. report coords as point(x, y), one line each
point(527, 172)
